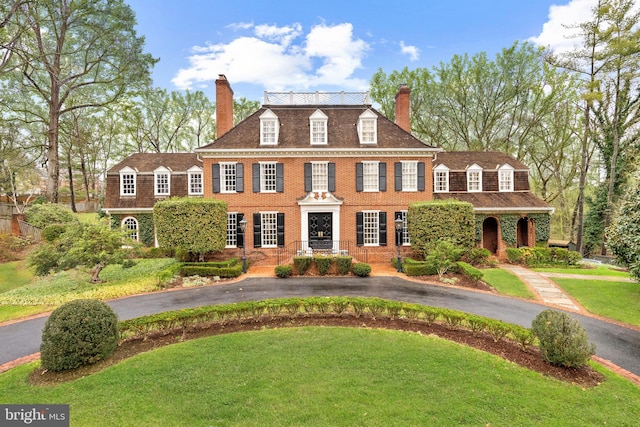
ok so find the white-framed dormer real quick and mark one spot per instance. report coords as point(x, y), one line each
point(162, 181)
point(128, 181)
point(368, 127)
point(474, 178)
point(318, 128)
point(195, 181)
point(269, 128)
point(441, 179)
point(505, 178)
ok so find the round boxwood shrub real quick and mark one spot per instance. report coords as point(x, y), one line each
point(361, 269)
point(284, 271)
point(563, 341)
point(77, 333)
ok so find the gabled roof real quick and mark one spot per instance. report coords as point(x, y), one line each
point(148, 162)
point(488, 160)
point(294, 130)
point(500, 201)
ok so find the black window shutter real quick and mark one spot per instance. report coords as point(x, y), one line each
point(280, 230)
point(396, 216)
point(257, 230)
point(308, 177)
point(332, 177)
point(255, 177)
point(359, 177)
point(397, 172)
point(239, 178)
point(382, 177)
point(359, 228)
point(279, 177)
point(239, 233)
point(421, 176)
point(382, 228)
point(215, 173)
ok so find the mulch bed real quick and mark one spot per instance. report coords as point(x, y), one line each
point(507, 349)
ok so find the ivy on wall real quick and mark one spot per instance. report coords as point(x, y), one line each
point(508, 226)
point(543, 226)
point(479, 222)
point(115, 221)
point(145, 226)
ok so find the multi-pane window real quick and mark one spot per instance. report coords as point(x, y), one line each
point(370, 179)
point(269, 228)
point(404, 232)
point(474, 180)
point(127, 183)
point(441, 181)
point(409, 176)
point(371, 227)
point(368, 131)
point(320, 174)
point(130, 226)
point(195, 183)
point(232, 230)
point(267, 177)
point(228, 177)
point(318, 131)
point(269, 127)
point(161, 183)
point(505, 178)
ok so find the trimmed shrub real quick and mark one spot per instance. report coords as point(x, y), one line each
point(80, 332)
point(302, 264)
point(443, 256)
point(419, 269)
point(284, 271)
point(52, 231)
point(563, 341)
point(48, 213)
point(478, 256)
point(344, 264)
point(513, 255)
point(470, 271)
point(203, 270)
point(323, 263)
point(361, 269)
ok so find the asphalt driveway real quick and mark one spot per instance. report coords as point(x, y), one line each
point(618, 344)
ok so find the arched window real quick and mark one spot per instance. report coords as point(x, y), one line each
point(130, 226)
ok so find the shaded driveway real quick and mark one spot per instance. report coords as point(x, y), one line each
point(615, 343)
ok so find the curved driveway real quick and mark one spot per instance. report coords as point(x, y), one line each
point(615, 343)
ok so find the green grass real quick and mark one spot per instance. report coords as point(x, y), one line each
point(90, 218)
point(12, 312)
point(506, 283)
point(593, 270)
point(615, 300)
point(68, 285)
point(326, 376)
point(14, 275)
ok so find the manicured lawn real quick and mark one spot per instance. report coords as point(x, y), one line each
point(616, 300)
point(326, 376)
point(14, 275)
point(65, 286)
point(597, 270)
point(506, 283)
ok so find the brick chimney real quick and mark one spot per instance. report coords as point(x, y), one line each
point(224, 106)
point(403, 105)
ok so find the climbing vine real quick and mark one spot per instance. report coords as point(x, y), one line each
point(543, 226)
point(508, 226)
point(479, 222)
point(115, 221)
point(145, 224)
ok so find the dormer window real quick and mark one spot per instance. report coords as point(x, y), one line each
point(474, 179)
point(128, 181)
point(195, 181)
point(269, 128)
point(368, 128)
point(505, 178)
point(441, 179)
point(318, 127)
point(162, 181)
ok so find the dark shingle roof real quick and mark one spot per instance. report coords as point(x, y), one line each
point(498, 200)
point(148, 162)
point(489, 160)
point(294, 130)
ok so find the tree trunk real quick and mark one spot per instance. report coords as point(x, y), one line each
point(53, 162)
point(95, 278)
point(71, 189)
point(584, 168)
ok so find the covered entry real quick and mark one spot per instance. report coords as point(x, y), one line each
point(490, 234)
point(320, 230)
point(523, 233)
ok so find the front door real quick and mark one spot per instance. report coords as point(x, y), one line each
point(320, 225)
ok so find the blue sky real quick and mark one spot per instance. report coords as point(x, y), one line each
point(333, 45)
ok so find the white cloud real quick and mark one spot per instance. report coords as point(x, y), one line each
point(559, 32)
point(280, 58)
point(412, 51)
point(237, 26)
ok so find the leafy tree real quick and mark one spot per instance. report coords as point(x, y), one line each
point(623, 235)
point(72, 55)
point(89, 245)
point(197, 226)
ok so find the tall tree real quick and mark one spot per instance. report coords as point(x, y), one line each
point(85, 50)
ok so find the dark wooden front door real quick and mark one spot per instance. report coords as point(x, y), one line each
point(320, 230)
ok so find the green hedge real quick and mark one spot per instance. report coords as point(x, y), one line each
point(543, 257)
point(323, 263)
point(302, 264)
point(432, 221)
point(469, 271)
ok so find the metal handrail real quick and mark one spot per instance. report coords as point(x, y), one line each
point(336, 248)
